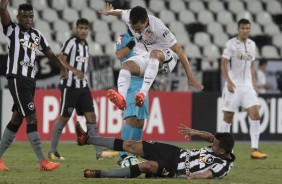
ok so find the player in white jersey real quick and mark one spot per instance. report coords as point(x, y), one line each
point(156, 48)
point(165, 160)
point(237, 66)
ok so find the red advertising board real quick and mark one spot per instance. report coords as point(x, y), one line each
point(167, 111)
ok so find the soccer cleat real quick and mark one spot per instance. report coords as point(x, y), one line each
point(81, 135)
point(46, 165)
point(90, 173)
point(106, 154)
point(55, 156)
point(139, 99)
point(2, 166)
point(117, 99)
point(258, 155)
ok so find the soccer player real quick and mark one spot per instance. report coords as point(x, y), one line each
point(240, 89)
point(75, 92)
point(156, 48)
point(23, 42)
point(164, 160)
point(133, 115)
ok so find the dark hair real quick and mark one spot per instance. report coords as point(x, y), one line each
point(82, 21)
point(226, 141)
point(138, 14)
point(243, 21)
point(262, 62)
point(25, 7)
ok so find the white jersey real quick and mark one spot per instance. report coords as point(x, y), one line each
point(155, 36)
point(241, 55)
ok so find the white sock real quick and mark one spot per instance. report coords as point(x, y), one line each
point(224, 126)
point(150, 75)
point(124, 79)
point(254, 132)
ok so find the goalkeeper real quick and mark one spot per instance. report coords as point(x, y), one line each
point(164, 160)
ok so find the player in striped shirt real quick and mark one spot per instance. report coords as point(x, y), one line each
point(23, 42)
point(164, 160)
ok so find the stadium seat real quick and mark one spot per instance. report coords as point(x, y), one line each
point(118, 27)
point(59, 5)
point(167, 16)
point(235, 6)
point(102, 37)
point(205, 17)
point(13, 13)
point(89, 14)
point(61, 25)
point(196, 6)
point(100, 26)
point(224, 17)
point(254, 6)
point(269, 52)
point(192, 51)
point(202, 39)
point(16, 3)
point(215, 6)
point(110, 49)
point(182, 38)
point(78, 5)
point(262, 40)
point(134, 3)
point(231, 29)
point(50, 15)
point(39, 4)
point(61, 37)
point(56, 47)
point(263, 18)
point(255, 29)
point(214, 28)
point(70, 15)
point(48, 36)
point(271, 29)
point(258, 56)
point(177, 6)
point(42, 25)
point(177, 27)
point(220, 39)
point(157, 5)
point(95, 49)
point(245, 15)
point(109, 19)
point(211, 51)
point(97, 5)
point(186, 17)
point(273, 7)
point(277, 40)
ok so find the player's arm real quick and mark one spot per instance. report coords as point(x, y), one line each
point(230, 85)
point(185, 63)
point(76, 72)
point(124, 51)
point(204, 175)
point(4, 14)
point(189, 132)
point(109, 10)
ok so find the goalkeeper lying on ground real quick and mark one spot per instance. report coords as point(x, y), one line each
point(164, 160)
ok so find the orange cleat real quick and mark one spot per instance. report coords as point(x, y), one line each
point(117, 99)
point(46, 165)
point(81, 135)
point(139, 99)
point(2, 166)
point(255, 154)
point(89, 173)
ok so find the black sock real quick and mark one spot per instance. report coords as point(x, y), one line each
point(118, 145)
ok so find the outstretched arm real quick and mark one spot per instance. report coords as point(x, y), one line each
point(109, 10)
point(76, 72)
point(189, 132)
point(4, 14)
point(204, 175)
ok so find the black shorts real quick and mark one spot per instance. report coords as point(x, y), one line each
point(79, 99)
point(165, 154)
point(22, 91)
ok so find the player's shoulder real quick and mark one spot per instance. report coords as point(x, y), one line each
point(231, 41)
point(250, 42)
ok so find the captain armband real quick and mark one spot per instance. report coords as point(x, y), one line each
point(130, 44)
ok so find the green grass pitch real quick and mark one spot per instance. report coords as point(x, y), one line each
point(24, 167)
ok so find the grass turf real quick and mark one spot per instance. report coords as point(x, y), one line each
point(24, 167)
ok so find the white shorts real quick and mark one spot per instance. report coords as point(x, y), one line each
point(142, 60)
point(245, 97)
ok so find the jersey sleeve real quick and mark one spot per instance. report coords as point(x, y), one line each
point(164, 33)
point(43, 44)
point(227, 51)
point(219, 170)
point(8, 29)
point(122, 41)
point(67, 47)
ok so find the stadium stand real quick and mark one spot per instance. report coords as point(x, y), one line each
point(202, 25)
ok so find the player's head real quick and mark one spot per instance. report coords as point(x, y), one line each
point(138, 19)
point(25, 15)
point(82, 28)
point(223, 143)
point(244, 29)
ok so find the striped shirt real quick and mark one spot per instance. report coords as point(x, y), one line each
point(202, 160)
point(77, 56)
point(23, 46)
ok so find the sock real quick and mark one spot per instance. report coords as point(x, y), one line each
point(137, 134)
point(254, 132)
point(102, 141)
point(57, 131)
point(116, 173)
point(8, 137)
point(150, 75)
point(124, 79)
point(93, 131)
point(224, 126)
point(126, 134)
point(34, 140)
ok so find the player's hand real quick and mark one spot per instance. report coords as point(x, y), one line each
point(231, 87)
point(108, 8)
point(193, 82)
point(64, 73)
point(78, 73)
point(188, 132)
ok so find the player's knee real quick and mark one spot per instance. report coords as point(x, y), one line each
point(148, 167)
point(32, 119)
point(130, 146)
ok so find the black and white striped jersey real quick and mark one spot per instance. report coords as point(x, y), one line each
point(22, 47)
point(202, 160)
point(77, 56)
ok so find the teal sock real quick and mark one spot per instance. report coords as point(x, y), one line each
point(137, 134)
point(57, 131)
point(126, 134)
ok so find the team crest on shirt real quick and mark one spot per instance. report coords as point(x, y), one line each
point(30, 106)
